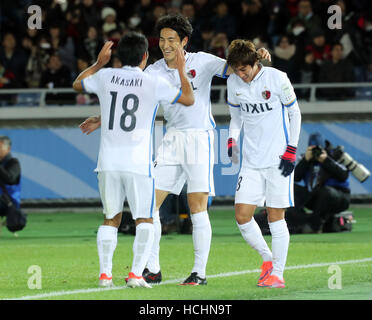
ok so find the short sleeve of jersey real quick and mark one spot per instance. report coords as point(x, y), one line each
point(231, 93)
point(92, 84)
point(166, 92)
point(286, 91)
point(216, 66)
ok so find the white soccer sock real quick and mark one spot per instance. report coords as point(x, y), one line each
point(201, 236)
point(252, 234)
point(107, 238)
point(153, 264)
point(279, 246)
point(142, 245)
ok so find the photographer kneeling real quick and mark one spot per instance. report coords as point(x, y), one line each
point(326, 191)
point(10, 187)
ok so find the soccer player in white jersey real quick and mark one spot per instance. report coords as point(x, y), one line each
point(262, 99)
point(186, 153)
point(129, 99)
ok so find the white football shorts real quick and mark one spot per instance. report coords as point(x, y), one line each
point(185, 156)
point(137, 189)
point(255, 186)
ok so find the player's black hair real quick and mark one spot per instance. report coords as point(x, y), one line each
point(176, 22)
point(131, 48)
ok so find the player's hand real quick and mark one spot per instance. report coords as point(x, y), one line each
point(104, 55)
point(287, 164)
point(322, 156)
point(90, 125)
point(233, 150)
point(180, 57)
point(264, 54)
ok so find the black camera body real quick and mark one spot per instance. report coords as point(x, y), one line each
point(338, 154)
point(316, 151)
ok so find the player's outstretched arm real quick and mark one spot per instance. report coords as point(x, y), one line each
point(187, 96)
point(90, 124)
point(102, 59)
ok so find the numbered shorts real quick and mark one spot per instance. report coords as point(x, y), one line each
point(117, 186)
point(255, 186)
point(185, 156)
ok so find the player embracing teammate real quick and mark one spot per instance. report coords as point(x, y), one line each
point(129, 100)
point(186, 151)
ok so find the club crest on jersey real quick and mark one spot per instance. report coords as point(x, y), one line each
point(191, 73)
point(266, 94)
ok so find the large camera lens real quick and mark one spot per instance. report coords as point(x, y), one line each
point(358, 170)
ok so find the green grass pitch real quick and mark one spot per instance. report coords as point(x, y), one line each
point(63, 247)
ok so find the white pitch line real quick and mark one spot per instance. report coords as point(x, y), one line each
point(220, 275)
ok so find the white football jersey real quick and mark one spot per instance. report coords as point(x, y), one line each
point(200, 67)
point(129, 99)
point(262, 104)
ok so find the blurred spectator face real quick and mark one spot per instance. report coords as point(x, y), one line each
point(188, 11)
point(337, 52)
point(110, 18)
point(173, 10)
point(309, 58)
point(32, 33)
point(145, 3)
point(9, 41)
point(284, 43)
point(200, 2)
point(108, 15)
point(222, 9)
point(221, 40)
point(27, 43)
point(319, 41)
point(92, 33)
point(251, 6)
point(75, 16)
point(54, 63)
point(304, 8)
point(54, 32)
point(159, 11)
point(88, 3)
point(219, 45)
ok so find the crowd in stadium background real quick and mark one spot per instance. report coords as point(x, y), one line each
point(294, 31)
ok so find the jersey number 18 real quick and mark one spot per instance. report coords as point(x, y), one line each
point(127, 112)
